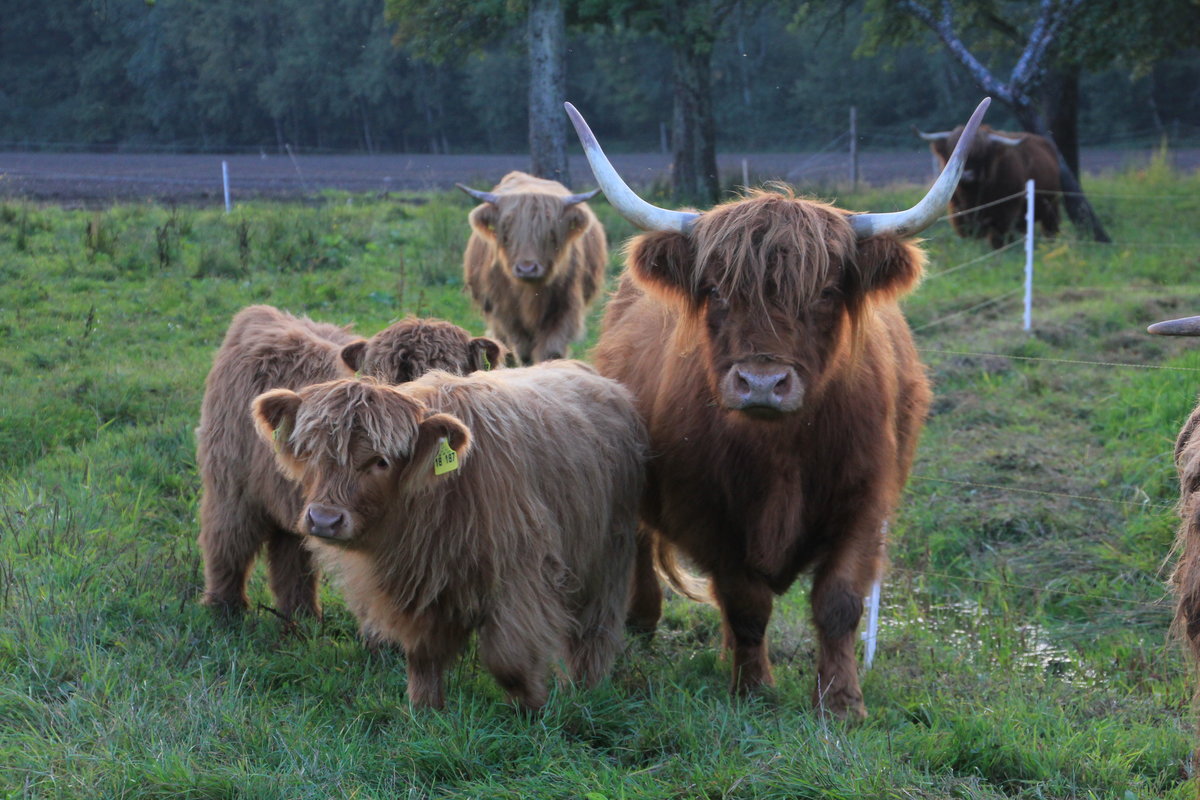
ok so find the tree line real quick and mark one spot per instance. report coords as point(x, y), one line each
point(334, 75)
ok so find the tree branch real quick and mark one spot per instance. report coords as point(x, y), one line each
point(944, 29)
point(1045, 31)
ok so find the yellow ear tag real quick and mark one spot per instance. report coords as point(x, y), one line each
point(487, 362)
point(446, 460)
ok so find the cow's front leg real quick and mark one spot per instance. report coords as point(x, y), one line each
point(555, 340)
point(745, 604)
point(645, 593)
point(837, 605)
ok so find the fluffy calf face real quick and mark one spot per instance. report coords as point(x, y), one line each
point(355, 448)
point(772, 287)
point(531, 231)
point(407, 349)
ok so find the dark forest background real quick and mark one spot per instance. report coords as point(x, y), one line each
point(325, 75)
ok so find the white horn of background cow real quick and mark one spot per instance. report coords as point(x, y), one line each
point(1186, 326)
point(932, 137)
point(926, 212)
point(483, 197)
point(575, 199)
point(1008, 140)
point(633, 208)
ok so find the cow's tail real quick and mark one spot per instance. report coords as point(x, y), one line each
point(1185, 579)
point(689, 584)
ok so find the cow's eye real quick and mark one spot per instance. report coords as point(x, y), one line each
point(380, 464)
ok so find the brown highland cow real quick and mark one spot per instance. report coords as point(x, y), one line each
point(245, 502)
point(503, 503)
point(783, 394)
point(533, 264)
point(1185, 579)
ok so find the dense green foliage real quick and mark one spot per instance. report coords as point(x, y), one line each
point(265, 73)
point(1023, 651)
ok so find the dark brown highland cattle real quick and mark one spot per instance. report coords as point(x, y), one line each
point(533, 264)
point(245, 502)
point(998, 165)
point(783, 396)
point(1186, 577)
point(528, 538)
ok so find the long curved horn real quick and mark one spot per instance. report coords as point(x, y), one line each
point(483, 197)
point(926, 212)
point(1187, 326)
point(576, 199)
point(633, 208)
point(1011, 141)
point(937, 136)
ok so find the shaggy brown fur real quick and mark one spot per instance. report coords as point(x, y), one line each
point(529, 541)
point(1186, 577)
point(563, 246)
point(245, 502)
point(784, 398)
point(995, 170)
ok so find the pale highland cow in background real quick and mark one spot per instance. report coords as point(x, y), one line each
point(502, 503)
point(533, 264)
point(246, 503)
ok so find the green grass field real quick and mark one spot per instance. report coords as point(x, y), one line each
point(1024, 648)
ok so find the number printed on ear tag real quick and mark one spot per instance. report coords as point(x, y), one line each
point(446, 460)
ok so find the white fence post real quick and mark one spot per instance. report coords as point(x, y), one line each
point(745, 174)
point(854, 148)
point(870, 636)
point(1029, 192)
point(225, 181)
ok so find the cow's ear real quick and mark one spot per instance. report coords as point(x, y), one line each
point(486, 353)
point(275, 417)
point(442, 443)
point(662, 262)
point(576, 219)
point(887, 266)
point(483, 219)
point(354, 353)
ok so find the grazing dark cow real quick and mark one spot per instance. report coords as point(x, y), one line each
point(245, 502)
point(533, 264)
point(526, 535)
point(783, 394)
point(1186, 577)
point(998, 165)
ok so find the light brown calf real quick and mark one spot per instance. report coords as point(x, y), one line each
point(245, 502)
point(528, 539)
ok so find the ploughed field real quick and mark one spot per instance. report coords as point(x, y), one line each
point(1023, 646)
point(93, 179)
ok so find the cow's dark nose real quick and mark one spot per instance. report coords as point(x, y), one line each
point(529, 270)
point(325, 521)
point(766, 386)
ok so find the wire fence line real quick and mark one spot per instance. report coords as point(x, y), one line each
point(1129, 601)
point(1146, 504)
point(976, 307)
point(1072, 361)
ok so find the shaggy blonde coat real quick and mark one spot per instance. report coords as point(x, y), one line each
point(529, 541)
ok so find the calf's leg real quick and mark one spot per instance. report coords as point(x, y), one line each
point(229, 543)
point(837, 604)
point(293, 575)
point(430, 653)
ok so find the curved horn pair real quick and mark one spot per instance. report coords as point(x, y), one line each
point(1011, 141)
point(931, 137)
point(901, 223)
point(492, 197)
point(1187, 326)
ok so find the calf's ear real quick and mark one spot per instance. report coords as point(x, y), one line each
point(486, 353)
point(275, 415)
point(483, 219)
point(435, 434)
point(662, 262)
point(887, 267)
point(354, 353)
